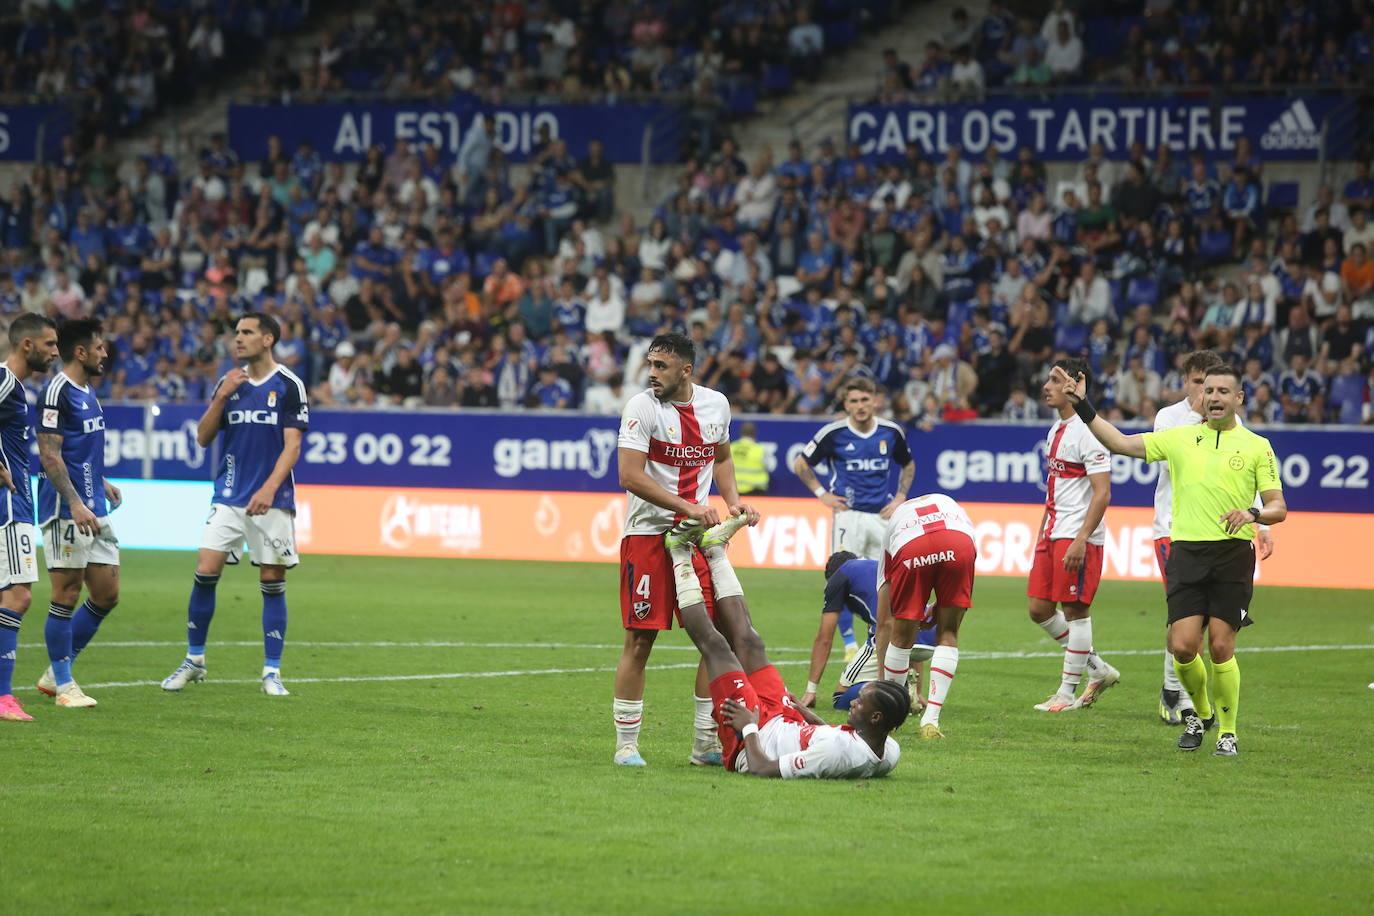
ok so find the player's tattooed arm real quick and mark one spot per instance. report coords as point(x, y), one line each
point(904, 479)
point(50, 456)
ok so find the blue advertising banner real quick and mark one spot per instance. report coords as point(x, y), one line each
point(346, 132)
point(19, 130)
point(1061, 129)
point(1324, 469)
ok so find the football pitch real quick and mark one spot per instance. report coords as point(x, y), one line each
point(447, 748)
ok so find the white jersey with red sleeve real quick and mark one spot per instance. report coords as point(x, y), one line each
point(1072, 453)
point(822, 751)
point(1179, 414)
point(680, 439)
point(923, 514)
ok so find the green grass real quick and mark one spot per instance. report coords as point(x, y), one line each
point(497, 793)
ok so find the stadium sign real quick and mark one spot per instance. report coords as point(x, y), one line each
point(346, 132)
point(1325, 469)
point(24, 127)
point(1063, 128)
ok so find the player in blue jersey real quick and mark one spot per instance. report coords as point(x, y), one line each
point(33, 347)
point(859, 452)
point(74, 503)
point(262, 412)
point(851, 583)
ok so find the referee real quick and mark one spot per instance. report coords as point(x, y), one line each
point(1216, 467)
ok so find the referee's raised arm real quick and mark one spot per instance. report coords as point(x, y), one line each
point(1112, 438)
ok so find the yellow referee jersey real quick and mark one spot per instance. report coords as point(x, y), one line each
point(1213, 472)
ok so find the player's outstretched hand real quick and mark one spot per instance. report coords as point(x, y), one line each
point(232, 380)
point(737, 714)
point(84, 520)
point(1076, 388)
point(707, 515)
point(746, 510)
point(808, 700)
point(261, 501)
point(6, 479)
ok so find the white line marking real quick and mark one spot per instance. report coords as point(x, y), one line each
point(454, 675)
point(136, 644)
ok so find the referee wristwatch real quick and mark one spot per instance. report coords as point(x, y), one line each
point(1255, 513)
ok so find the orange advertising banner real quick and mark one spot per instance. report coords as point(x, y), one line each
point(1324, 550)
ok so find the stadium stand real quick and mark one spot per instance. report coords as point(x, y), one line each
point(415, 278)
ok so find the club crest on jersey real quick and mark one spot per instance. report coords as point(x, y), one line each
point(271, 399)
point(882, 447)
point(642, 609)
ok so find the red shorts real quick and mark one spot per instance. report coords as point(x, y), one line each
point(1050, 581)
point(761, 691)
point(1162, 558)
point(648, 591)
point(939, 562)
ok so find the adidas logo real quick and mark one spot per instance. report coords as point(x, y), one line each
point(275, 634)
point(849, 447)
point(190, 625)
point(9, 656)
point(1294, 129)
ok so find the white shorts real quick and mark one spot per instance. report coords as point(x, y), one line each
point(863, 667)
point(19, 559)
point(271, 538)
point(862, 533)
point(64, 547)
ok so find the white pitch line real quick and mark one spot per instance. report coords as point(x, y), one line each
point(136, 644)
point(454, 675)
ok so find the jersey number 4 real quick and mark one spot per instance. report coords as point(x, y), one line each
point(642, 589)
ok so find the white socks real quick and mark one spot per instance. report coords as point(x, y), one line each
point(703, 723)
point(1076, 651)
point(724, 582)
point(1057, 627)
point(896, 664)
point(1171, 681)
point(943, 664)
point(628, 715)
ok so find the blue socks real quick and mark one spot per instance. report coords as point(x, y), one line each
point(200, 610)
point(273, 622)
point(9, 648)
point(57, 633)
point(85, 622)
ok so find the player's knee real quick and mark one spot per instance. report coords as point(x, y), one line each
point(17, 600)
point(639, 645)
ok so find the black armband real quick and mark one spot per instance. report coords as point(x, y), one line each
point(1085, 411)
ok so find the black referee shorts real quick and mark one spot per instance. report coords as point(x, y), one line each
point(1212, 579)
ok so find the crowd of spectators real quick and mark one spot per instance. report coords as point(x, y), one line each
point(409, 279)
point(116, 62)
point(1176, 43)
point(716, 52)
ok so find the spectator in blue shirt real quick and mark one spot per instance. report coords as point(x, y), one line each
point(1359, 191)
point(551, 390)
point(306, 166)
point(373, 258)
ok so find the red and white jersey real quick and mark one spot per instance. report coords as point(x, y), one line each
point(822, 751)
point(1180, 414)
point(680, 440)
point(923, 514)
point(1072, 453)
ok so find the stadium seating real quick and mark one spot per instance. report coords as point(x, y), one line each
point(243, 235)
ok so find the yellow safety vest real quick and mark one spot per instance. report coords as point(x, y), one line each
point(751, 474)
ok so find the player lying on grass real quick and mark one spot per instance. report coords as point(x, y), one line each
point(763, 730)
